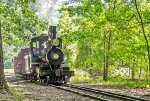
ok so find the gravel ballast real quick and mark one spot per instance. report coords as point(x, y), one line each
point(34, 92)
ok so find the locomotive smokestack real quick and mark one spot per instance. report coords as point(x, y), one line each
point(53, 32)
point(53, 25)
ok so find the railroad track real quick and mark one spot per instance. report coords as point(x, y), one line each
point(98, 94)
point(94, 93)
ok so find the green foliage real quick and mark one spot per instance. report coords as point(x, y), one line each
point(86, 26)
point(114, 82)
point(129, 83)
point(19, 24)
point(81, 78)
point(14, 95)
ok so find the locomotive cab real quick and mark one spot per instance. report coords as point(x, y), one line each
point(36, 47)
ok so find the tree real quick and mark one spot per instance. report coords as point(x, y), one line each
point(3, 84)
point(18, 21)
point(89, 25)
point(144, 33)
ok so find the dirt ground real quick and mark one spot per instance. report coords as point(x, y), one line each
point(137, 92)
point(33, 92)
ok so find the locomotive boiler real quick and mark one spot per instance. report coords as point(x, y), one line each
point(44, 61)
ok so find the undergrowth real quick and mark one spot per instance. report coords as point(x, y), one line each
point(14, 95)
point(117, 82)
point(81, 78)
point(129, 83)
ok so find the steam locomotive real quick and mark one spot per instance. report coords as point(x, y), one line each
point(43, 60)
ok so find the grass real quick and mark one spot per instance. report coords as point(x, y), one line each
point(17, 94)
point(14, 95)
point(81, 78)
point(129, 83)
point(116, 82)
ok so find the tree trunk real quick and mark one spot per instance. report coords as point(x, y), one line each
point(146, 75)
point(106, 56)
point(133, 71)
point(108, 53)
point(130, 67)
point(140, 70)
point(133, 74)
point(143, 30)
point(3, 84)
point(104, 72)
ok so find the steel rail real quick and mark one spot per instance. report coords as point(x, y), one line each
point(70, 90)
point(114, 95)
point(81, 93)
point(93, 90)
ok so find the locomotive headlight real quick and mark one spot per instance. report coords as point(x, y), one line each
point(56, 42)
point(55, 56)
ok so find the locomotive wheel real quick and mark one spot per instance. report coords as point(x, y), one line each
point(65, 79)
point(25, 77)
point(37, 74)
point(38, 77)
point(28, 78)
point(43, 80)
point(40, 80)
point(47, 79)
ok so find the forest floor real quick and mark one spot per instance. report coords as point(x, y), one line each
point(137, 92)
point(26, 91)
point(29, 91)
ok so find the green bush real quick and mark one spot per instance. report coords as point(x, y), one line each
point(16, 95)
point(117, 82)
point(81, 78)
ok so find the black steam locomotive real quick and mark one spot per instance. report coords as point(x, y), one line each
point(44, 61)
